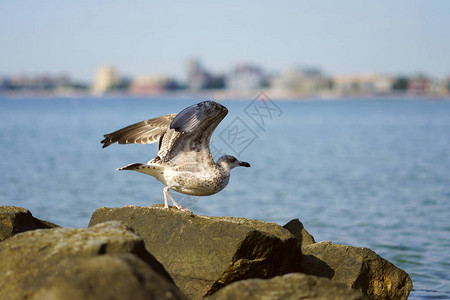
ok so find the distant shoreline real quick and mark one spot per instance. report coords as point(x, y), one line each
point(218, 95)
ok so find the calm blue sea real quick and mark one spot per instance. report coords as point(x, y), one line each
point(364, 173)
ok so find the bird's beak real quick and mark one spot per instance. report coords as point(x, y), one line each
point(244, 164)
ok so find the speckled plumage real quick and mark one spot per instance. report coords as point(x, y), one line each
point(183, 162)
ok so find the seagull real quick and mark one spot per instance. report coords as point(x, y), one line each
point(184, 162)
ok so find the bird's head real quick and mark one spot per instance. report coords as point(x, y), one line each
point(229, 162)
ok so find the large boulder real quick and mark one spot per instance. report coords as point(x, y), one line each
point(288, 287)
point(203, 254)
point(14, 220)
point(106, 277)
point(296, 228)
point(32, 262)
point(358, 268)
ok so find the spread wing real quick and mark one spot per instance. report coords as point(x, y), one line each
point(145, 132)
point(191, 117)
point(191, 130)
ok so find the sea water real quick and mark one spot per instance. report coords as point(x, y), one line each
point(363, 173)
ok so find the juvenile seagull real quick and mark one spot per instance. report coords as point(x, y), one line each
point(184, 162)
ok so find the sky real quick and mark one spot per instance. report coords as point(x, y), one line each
point(403, 37)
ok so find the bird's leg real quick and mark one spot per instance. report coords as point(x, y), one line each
point(182, 208)
point(165, 192)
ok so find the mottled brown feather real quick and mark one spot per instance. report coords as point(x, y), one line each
point(145, 132)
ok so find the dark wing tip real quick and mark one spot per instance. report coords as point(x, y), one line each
point(108, 140)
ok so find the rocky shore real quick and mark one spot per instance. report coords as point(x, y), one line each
point(154, 253)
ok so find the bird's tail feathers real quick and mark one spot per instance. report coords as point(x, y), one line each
point(131, 167)
point(153, 170)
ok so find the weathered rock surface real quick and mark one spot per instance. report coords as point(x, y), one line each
point(105, 277)
point(296, 228)
point(358, 268)
point(203, 254)
point(14, 220)
point(32, 262)
point(218, 257)
point(287, 287)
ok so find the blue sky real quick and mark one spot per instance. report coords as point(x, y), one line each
point(156, 37)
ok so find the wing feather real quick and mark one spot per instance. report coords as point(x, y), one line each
point(189, 118)
point(191, 130)
point(145, 132)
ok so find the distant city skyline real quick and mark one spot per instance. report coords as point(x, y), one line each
point(149, 37)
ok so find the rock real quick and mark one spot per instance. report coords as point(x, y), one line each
point(104, 277)
point(15, 220)
point(288, 287)
point(203, 254)
point(28, 260)
point(296, 228)
point(358, 268)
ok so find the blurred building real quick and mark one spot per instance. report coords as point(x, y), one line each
point(152, 84)
point(444, 87)
point(245, 77)
point(106, 78)
point(420, 85)
point(197, 77)
point(300, 82)
point(362, 84)
point(37, 83)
